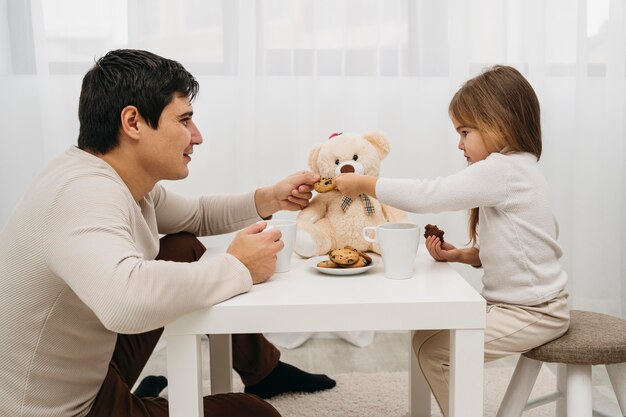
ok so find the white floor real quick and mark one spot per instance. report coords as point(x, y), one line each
point(388, 352)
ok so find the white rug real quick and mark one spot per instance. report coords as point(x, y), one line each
point(385, 395)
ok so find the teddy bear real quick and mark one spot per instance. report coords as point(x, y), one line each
point(332, 220)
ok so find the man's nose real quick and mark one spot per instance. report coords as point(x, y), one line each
point(196, 136)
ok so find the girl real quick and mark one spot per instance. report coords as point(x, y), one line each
point(497, 117)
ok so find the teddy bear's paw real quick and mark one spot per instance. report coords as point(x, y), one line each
point(305, 244)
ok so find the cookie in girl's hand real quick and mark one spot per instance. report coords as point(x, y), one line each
point(433, 230)
point(325, 185)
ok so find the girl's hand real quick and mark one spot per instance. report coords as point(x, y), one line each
point(445, 252)
point(353, 185)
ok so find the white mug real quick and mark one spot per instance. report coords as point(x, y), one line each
point(398, 247)
point(288, 230)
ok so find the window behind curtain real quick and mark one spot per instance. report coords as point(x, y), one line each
point(352, 37)
point(388, 38)
point(200, 33)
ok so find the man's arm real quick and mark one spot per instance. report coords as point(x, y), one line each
point(99, 254)
point(202, 216)
point(218, 214)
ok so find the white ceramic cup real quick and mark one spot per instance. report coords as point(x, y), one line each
point(398, 247)
point(288, 230)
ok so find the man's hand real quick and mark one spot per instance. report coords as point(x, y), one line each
point(292, 193)
point(257, 251)
point(353, 185)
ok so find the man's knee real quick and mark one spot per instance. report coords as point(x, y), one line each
point(179, 238)
point(180, 247)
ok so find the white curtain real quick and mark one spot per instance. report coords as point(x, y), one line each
point(278, 76)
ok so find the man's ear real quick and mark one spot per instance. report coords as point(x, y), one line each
point(130, 120)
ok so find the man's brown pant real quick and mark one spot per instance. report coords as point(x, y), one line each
point(253, 358)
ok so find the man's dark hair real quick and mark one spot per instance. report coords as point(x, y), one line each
point(127, 77)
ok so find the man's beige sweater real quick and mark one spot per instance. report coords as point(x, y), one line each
point(77, 267)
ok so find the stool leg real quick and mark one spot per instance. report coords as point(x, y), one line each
point(579, 403)
point(519, 388)
point(617, 375)
point(561, 387)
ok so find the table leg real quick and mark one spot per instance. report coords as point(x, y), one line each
point(419, 390)
point(221, 363)
point(466, 372)
point(184, 373)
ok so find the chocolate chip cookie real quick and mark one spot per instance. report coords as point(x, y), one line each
point(325, 185)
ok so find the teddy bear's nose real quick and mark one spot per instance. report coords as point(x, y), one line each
point(347, 168)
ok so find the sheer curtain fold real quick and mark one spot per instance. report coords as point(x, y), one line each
point(278, 76)
point(23, 90)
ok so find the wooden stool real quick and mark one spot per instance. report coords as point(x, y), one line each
point(592, 339)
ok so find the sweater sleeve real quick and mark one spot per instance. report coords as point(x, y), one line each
point(89, 243)
point(205, 215)
point(482, 184)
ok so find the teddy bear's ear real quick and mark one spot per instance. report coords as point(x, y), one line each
point(380, 142)
point(313, 154)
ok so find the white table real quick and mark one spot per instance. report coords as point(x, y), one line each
point(304, 300)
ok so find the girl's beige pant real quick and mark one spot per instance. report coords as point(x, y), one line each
point(510, 329)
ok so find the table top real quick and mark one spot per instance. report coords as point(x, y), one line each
point(304, 299)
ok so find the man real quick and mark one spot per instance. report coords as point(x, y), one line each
point(86, 285)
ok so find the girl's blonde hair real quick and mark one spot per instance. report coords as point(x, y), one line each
point(501, 104)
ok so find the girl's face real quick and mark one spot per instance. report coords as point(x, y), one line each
point(471, 143)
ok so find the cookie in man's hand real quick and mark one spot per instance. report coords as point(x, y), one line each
point(325, 185)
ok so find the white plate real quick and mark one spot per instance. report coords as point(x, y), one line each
point(339, 271)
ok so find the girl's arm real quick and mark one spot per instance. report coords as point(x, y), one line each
point(481, 184)
point(446, 252)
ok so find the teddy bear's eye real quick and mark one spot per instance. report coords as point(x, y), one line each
point(336, 161)
point(355, 157)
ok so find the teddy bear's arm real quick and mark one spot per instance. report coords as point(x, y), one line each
point(314, 211)
point(394, 215)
